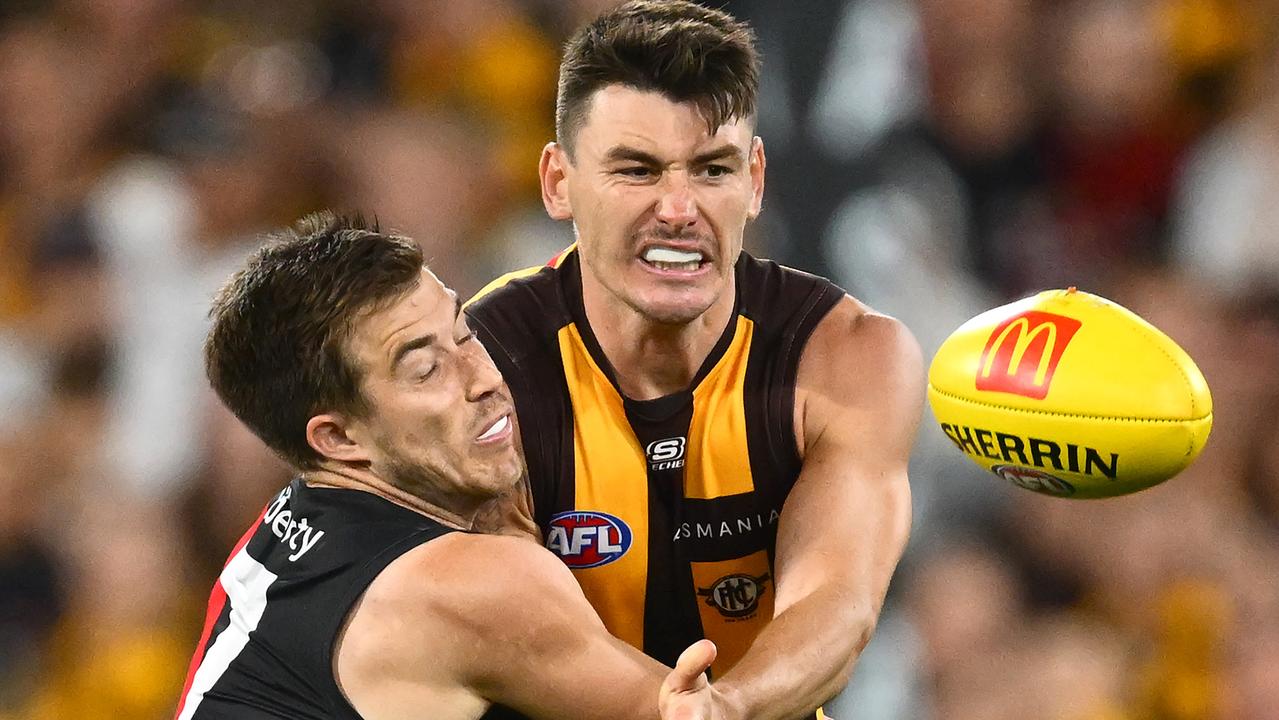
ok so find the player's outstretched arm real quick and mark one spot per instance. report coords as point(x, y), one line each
point(470, 619)
point(844, 526)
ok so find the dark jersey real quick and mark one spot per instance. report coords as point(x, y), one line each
point(276, 609)
point(666, 510)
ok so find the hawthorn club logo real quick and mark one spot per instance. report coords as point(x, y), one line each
point(736, 595)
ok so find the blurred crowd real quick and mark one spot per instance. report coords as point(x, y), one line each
point(935, 157)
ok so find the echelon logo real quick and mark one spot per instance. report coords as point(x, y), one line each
point(665, 454)
point(736, 595)
point(1023, 351)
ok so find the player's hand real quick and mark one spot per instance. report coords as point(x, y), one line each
point(686, 694)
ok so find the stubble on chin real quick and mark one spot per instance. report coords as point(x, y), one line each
point(445, 493)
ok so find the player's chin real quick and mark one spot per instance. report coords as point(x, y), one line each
point(498, 473)
point(676, 306)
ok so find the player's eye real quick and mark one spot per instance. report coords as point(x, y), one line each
point(718, 171)
point(634, 171)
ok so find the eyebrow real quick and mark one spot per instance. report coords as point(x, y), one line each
point(422, 341)
point(416, 343)
point(623, 152)
point(724, 152)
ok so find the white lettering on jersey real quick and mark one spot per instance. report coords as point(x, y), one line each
point(562, 543)
point(557, 540)
point(245, 581)
point(289, 530)
point(740, 526)
point(603, 543)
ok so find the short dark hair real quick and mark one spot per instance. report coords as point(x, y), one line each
point(681, 49)
point(277, 351)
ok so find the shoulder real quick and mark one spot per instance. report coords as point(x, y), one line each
point(479, 585)
point(785, 299)
point(495, 286)
point(536, 285)
point(472, 571)
point(514, 293)
point(519, 312)
point(450, 613)
point(854, 333)
point(861, 366)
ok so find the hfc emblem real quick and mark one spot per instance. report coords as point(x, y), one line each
point(735, 596)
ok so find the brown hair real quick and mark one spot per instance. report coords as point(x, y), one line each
point(276, 353)
point(678, 48)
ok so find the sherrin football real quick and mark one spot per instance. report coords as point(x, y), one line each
point(1069, 394)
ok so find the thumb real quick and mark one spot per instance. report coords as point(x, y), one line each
point(690, 668)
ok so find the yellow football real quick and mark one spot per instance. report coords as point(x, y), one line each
point(1069, 394)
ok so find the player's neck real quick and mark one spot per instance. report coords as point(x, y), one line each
point(652, 359)
point(462, 518)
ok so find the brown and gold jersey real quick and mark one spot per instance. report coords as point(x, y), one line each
point(666, 510)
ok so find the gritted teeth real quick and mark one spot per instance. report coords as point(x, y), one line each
point(496, 427)
point(667, 255)
point(682, 267)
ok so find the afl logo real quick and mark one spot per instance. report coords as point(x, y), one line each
point(735, 596)
point(585, 539)
point(665, 454)
point(1036, 480)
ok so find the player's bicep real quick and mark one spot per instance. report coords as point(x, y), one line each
point(847, 518)
point(861, 378)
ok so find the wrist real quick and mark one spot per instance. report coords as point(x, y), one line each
point(729, 702)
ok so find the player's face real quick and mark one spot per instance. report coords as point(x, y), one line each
point(660, 203)
point(441, 422)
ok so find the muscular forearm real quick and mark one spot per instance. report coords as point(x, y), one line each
point(800, 660)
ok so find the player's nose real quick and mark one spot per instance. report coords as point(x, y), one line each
point(484, 378)
point(677, 204)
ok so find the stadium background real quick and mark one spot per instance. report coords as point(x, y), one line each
point(936, 157)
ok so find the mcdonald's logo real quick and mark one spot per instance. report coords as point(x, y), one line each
point(1023, 351)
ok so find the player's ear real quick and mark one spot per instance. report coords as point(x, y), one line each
point(757, 163)
point(331, 435)
point(553, 169)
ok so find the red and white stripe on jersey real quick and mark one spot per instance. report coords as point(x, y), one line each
point(244, 582)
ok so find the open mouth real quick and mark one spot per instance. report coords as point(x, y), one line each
point(497, 429)
point(672, 260)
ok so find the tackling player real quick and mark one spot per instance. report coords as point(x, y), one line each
point(360, 592)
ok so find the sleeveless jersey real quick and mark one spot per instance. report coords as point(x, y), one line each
point(666, 510)
point(283, 596)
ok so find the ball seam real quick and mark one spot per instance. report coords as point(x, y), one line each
point(1152, 336)
point(1057, 413)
